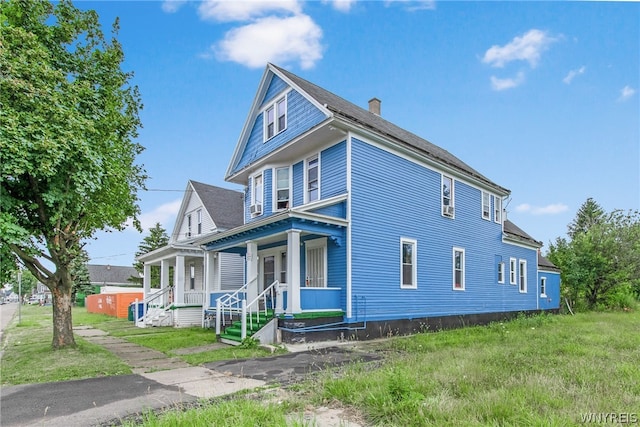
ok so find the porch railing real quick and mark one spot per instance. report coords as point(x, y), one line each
point(155, 301)
point(230, 304)
point(262, 303)
point(193, 297)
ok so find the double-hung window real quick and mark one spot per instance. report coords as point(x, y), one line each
point(275, 118)
point(501, 272)
point(497, 209)
point(189, 225)
point(199, 217)
point(458, 269)
point(192, 276)
point(523, 276)
point(313, 179)
point(408, 263)
point(486, 205)
point(282, 189)
point(447, 196)
point(512, 271)
point(256, 195)
point(543, 286)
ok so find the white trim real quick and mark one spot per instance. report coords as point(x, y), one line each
point(254, 201)
point(315, 244)
point(306, 178)
point(513, 271)
point(321, 203)
point(349, 265)
point(274, 187)
point(452, 193)
point(414, 263)
point(501, 264)
point(497, 213)
point(489, 196)
point(522, 267)
point(272, 105)
point(543, 279)
point(512, 241)
point(463, 269)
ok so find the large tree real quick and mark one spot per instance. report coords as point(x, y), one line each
point(600, 259)
point(69, 119)
point(157, 238)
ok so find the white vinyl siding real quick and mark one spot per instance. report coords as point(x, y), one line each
point(408, 263)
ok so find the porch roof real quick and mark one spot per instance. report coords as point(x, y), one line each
point(274, 225)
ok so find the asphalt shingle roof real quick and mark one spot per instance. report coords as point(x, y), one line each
point(357, 115)
point(225, 206)
point(111, 274)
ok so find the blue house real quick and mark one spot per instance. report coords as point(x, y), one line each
point(354, 227)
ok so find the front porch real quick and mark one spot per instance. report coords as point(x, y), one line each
point(294, 265)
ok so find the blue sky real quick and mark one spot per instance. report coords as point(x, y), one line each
point(540, 97)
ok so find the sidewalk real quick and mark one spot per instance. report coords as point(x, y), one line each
point(158, 382)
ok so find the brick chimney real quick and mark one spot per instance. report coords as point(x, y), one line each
point(374, 106)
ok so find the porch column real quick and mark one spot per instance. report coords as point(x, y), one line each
point(252, 270)
point(209, 276)
point(178, 281)
point(293, 272)
point(164, 279)
point(146, 279)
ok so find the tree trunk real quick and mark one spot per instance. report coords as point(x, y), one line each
point(62, 322)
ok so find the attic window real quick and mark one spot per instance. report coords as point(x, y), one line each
point(275, 118)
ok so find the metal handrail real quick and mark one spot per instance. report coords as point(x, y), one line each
point(271, 291)
point(230, 303)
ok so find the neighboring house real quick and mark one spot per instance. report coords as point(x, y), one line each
point(356, 227)
point(206, 210)
point(112, 275)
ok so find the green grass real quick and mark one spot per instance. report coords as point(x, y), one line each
point(29, 358)
point(539, 371)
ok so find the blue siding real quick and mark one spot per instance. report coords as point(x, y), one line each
point(301, 116)
point(298, 184)
point(333, 170)
point(391, 198)
point(320, 299)
point(552, 299)
point(338, 210)
point(276, 86)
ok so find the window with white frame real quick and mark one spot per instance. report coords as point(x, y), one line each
point(313, 179)
point(523, 276)
point(316, 263)
point(512, 271)
point(543, 286)
point(189, 225)
point(408, 263)
point(256, 195)
point(458, 269)
point(282, 189)
point(497, 209)
point(192, 276)
point(199, 218)
point(447, 196)
point(283, 267)
point(501, 272)
point(486, 205)
point(275, 118)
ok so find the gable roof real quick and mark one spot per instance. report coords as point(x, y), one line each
point(517, 233)
point(545, 264)
point(225, 207)
point(358, 116)
point(100, 274)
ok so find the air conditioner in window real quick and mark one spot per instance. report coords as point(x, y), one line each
point(447, 210)
point(256, 209)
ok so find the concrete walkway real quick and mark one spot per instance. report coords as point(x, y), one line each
point(160, 382)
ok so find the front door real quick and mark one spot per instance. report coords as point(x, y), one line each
point(268, 271)
point(316, 270)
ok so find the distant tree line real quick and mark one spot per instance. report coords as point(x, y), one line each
point(600, 258)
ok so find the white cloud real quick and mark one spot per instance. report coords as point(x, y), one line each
point(340, 5)
point(273, 39)
point(528, 48)
point(164, 214)
point(245, 10)
point(509, 83)
point(626, 93)
point(573, 73)
point(552, 209)
point(413, 5)
point(172, 6)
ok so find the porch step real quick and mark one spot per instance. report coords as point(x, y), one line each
point(233, 332)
